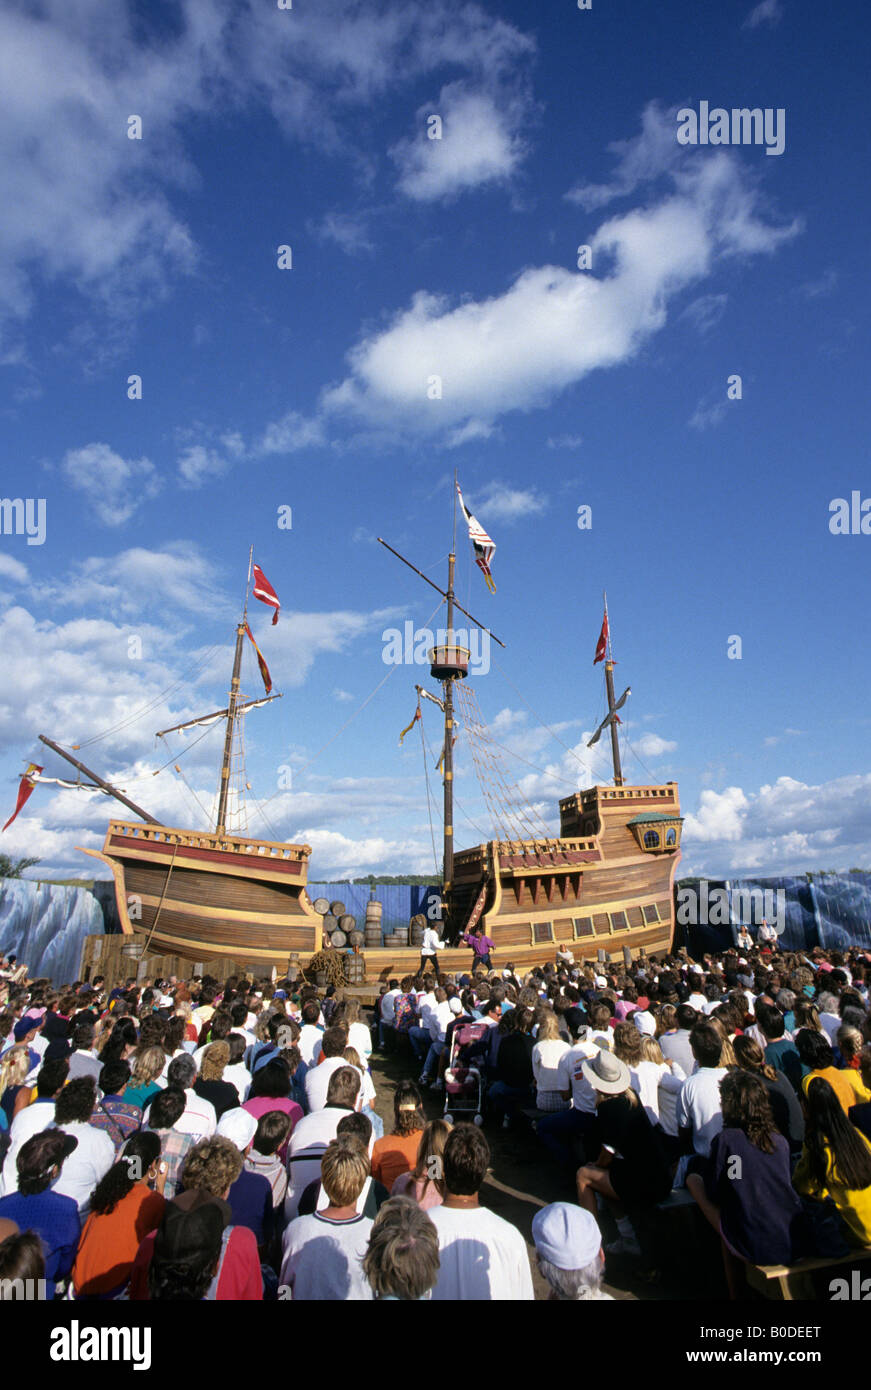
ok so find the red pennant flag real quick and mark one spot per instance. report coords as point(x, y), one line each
point(264, 669)
point(602, 644)
point(265, 592)
point(28, 782)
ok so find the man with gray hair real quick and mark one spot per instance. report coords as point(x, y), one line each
point(199, 1116)
point(568, 1243)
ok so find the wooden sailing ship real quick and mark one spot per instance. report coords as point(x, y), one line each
point(603, 887)
point(200, 896)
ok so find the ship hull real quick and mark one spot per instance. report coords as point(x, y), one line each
point(203, 897)
point(598, 889)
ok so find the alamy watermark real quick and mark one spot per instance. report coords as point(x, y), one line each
point(412, 645)
point(23, 516)
point(741, 126)
point(717, 907)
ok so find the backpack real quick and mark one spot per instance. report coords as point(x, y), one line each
point(404, 1014)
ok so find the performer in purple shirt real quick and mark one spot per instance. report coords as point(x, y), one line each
point(481, 947)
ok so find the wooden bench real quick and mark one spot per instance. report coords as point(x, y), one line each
point(792, 1282)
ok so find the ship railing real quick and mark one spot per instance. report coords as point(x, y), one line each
point(662, 792)
point(192, 839)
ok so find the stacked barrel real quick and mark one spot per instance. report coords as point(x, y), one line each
point(372, 931)
point(337, 922)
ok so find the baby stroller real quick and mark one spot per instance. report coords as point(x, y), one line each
point(464, 1075)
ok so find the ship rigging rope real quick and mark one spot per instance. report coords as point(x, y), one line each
point(152, 704)
point(457, 806)
point(435, 856)
point(351, 717)
point(503, 797)
point(588, 767)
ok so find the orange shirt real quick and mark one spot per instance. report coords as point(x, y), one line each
point(394, 1155)
point(109, 1243)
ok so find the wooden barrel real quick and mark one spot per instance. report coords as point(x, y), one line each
point(373, 938)
point(331, 923)
point(418, 920)
point(415, 935)
point(347, 922)
point(321, 905)
point(339, 939)
point(374, 910)
point(357, 938)
point(400, 936)
point(337, 908)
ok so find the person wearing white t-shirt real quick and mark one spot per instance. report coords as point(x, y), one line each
point(429, 948)
point(317, 1079)
point(311, 1035)
point(314, 1131)
point(387, 1015)
point(481, 1256)
point(34, 1118)
point(198, 1117)
point(323, 1253)
point(559, 1132)
point(699, 1110)
point(94, 1153)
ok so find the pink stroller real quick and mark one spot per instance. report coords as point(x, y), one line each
point(464, 1075)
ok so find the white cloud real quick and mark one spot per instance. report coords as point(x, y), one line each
point(343, 695)
point(135, 580)
point(565, 441)
point(788, 827)
point(823, 285)
point(709, 412)
point(13, 569)
point(291, 433)
point(500, 502)
point(197, 463)
point(640, 160)
point(85, 204)
point(349, 231)
point(480, 144)
point(115, 487)
point(652, 746)
point(705, 312)
point(472, 430)
point(768, 12)
point(552, 327)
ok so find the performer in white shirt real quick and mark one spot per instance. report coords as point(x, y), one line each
point(429, 948)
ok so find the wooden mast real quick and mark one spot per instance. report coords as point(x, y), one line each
point(448, 851)
point(104, 786)
point(232, 702)
point(612, 707)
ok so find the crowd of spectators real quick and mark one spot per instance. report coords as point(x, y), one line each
point(192, 1139)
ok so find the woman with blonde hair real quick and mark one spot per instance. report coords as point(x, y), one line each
point(549, 1049)
point(210, 1084)
point(143, 1085)
point(425, 1182)
point(367, 1090)
point(14, 1095)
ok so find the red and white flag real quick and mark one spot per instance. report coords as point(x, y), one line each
point(29, 780)
point(265, 592)
point(602, 644)
point(264, 669)
point(482, 546)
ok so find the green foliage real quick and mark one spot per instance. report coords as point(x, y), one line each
point(14, 868)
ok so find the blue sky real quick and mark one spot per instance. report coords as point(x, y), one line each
point(307, 387)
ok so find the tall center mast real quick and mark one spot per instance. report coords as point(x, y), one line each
point(612, 706)
point(232, 703)
point(448, 662)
